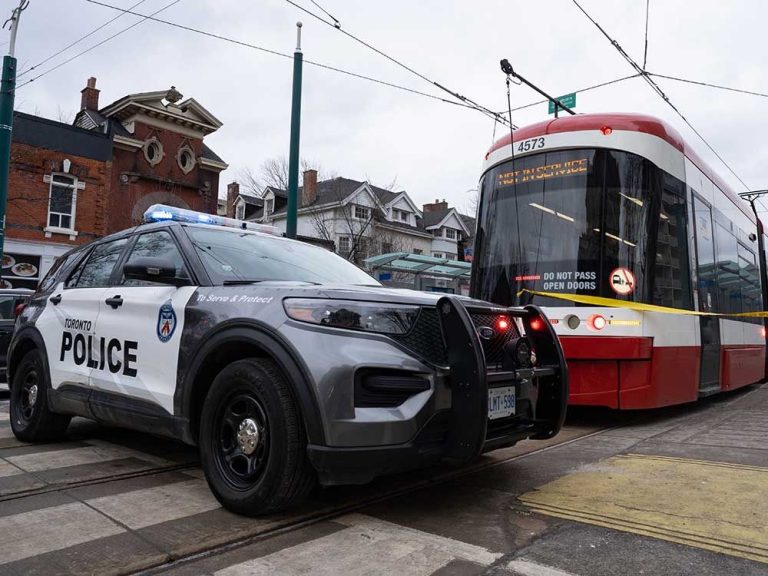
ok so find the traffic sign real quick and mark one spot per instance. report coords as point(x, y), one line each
point(567, 100)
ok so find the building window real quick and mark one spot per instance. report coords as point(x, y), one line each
point(451, 256)
point(269, 206)
point(240, 211)
point(450, 233)
point(185, 159)
point(437, 254)
point(344, 245)
point(386, 247)
point(404, 216)
point(437, 233)
point(418, 251)
point(362, 213)
point(61, 202)
point(153, 151)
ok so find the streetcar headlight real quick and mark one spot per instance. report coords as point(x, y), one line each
point(353, 315)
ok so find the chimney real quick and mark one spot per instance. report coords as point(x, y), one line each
point(90, 96)
point(309, 190)
point(233, 190)
point(436, 206)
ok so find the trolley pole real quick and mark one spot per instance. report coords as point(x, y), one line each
point(7, 92)
point(751, 197)
point(293, 157)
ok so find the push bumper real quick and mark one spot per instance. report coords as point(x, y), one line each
point(464, 431)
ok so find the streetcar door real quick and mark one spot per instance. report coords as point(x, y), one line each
point(706, 273)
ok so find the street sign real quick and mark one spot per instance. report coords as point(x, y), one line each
point(567, 100)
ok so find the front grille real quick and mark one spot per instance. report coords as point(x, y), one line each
point(494, 346)
point(426, 338)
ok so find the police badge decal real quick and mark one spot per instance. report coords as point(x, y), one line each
point(166, 322)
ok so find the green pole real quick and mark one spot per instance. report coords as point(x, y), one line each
point(7, 92)
point(7, 89)
point(293, 157)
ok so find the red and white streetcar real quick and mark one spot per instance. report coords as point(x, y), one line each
point(620, 206)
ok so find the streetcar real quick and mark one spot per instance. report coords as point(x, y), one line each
point(587, 207)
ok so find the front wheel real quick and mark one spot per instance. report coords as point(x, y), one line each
point(31, 419)
point(252, 440)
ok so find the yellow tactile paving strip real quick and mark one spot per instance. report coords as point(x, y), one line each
point(712, 505)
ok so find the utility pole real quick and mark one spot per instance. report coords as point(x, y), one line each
point(293, 157)
point(7, 93)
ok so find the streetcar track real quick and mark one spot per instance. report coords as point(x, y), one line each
point(321, 516)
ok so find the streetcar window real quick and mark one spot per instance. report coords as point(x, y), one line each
point(727, 267)
point(749, 279)
point(671, 281)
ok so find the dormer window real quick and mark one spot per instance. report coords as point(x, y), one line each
point(269, 206)
point(450, 233)
point(362, 213)
point(240, 211)
point(403, 215)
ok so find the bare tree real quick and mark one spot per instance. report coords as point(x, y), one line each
point(64, 117)
point(274, 172)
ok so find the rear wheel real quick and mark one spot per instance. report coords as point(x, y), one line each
point(31, 419)
point(252, 440)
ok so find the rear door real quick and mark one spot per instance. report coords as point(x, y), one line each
point(68, 322)
point(142, 324)
point(706, 268)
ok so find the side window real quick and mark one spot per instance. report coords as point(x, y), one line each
point(156, 245)
point(95, 270)
point(672, 283)
point(7, 306)
point(59, 267)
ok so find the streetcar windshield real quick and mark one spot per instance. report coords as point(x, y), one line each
point(578, 222)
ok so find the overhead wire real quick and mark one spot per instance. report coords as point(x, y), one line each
point(645, 51)
point(278, 53)
point(76, 42)
point(101, 43)
point(656, 88)
point(709, 85)
point(464, 99)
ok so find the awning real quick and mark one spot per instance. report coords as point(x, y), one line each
point(419, 264)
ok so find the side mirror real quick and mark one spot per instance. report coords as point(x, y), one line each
point(158, 270)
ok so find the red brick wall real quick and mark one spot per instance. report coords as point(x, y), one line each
point(135, 182)
point(28, 194)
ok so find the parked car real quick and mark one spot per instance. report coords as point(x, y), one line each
point(284, 362)
point(10, 300)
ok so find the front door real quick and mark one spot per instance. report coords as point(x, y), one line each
point(706, 269)
point(141, 325)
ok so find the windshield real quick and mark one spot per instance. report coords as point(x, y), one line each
point(237, 255)
point(578, 222)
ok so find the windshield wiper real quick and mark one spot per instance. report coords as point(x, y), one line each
point(236, 282)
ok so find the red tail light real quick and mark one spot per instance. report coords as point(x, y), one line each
point(536, 324)
point(502, 323)
point(19, 308)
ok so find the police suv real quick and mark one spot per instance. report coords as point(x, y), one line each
point(282, 361)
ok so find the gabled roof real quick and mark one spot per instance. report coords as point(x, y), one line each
point(250, 199)
point(436, 219)
point(187, 113)
point(404, 195)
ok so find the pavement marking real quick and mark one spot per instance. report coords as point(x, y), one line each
point(141, 508)
point(8, 469)
point(527, 568)
point(711, 505)
point(32, 533)
point(39, 461)
point(366, 546)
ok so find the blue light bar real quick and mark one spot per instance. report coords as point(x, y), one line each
point(160, 213)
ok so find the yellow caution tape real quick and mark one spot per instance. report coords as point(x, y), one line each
point(638, 306)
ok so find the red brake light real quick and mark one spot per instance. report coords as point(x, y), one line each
point(502, 323)
point(606, 130)
point(19, 308)
point(536, 324)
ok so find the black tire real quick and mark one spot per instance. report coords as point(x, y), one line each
point(264, 471)
point(31, 419)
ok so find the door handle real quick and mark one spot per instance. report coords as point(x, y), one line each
point(116, 301)
point(55, 299)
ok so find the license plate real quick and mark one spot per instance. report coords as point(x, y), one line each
point(501, 402)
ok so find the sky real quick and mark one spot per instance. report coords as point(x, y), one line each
point(367, 131)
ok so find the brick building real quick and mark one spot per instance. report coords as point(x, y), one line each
point(70, 184)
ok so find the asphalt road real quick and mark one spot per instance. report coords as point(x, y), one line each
point(676, 491)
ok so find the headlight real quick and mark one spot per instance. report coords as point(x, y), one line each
point(367, 316)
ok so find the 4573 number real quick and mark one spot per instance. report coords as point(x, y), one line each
point(532, 144)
